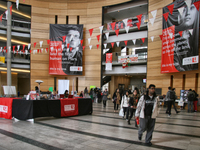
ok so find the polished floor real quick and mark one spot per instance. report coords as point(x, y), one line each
point(103, 130)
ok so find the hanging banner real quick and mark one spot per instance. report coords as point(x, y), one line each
point(65, 57)
point(2, 59)
point(180, 47)
point(108, 57)
point(128, 58)
point(121, 24)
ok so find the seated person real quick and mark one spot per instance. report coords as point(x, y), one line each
point(66, 94)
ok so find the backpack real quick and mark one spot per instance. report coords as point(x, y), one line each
point(172, 95)
point(191, 97)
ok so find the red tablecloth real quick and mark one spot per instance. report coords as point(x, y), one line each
point(6, 108)
point(69, 107)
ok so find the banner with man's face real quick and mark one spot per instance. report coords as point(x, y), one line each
point(180, 37)
point(65, 53)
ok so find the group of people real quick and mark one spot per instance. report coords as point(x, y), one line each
point(171, 97)
point(128, 102)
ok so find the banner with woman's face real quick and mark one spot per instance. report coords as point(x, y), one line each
point(180, 41)
point(65, 54)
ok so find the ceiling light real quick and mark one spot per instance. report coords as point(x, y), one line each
point(16, 70)
point(16, 11)
point(14, 41)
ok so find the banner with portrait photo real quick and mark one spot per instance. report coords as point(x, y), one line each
point(180, 37)
point(65, 53)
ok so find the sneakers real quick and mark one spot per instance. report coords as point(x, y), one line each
point(148, 144)
point(169, 115)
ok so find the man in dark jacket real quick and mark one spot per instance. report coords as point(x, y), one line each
point(170, 98)
point(105, 95)
point(191, 97)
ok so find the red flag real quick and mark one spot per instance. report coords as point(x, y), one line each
point(117, 32)
point(97, 46)
point(125, 42)
point(81, 42)
point(17, 52)
point(161, 36)
point(11, 10)
point(30, 51)
point(68, 45)
point(6, 50)
point(181, 33)
point(171, 8)
point(112, 44)
point(4, 47)
point(70, 49)
point(64, 37)
point(165, 15)
point(13, 49)
point(143, 39)
point(90, 30)
point(23, 47)
point(47, 50)
point(113, 25)
point(48, 41)
point(139, 17)
point(24, 1)
point(34, 44)
point(83, 48)
point(38, 50)
point(98, 37)
point(1, 18)
point(138, 25)
point(196, 4)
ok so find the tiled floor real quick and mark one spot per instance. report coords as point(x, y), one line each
point(103, 130)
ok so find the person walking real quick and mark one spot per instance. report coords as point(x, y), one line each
point(125, 102)
point(105, 94)
point(116, 99)
point(173, 102)
point(147, 110)
point(170, 98)
point(195, 101)
point(132, 107)
point(191, 98)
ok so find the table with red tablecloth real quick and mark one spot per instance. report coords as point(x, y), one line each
point(30, 109)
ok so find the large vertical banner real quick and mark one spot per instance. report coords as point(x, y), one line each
point(65, 54)
point(180, 37)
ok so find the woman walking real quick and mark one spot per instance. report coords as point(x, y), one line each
point(125, 102)
point(116, 100)
point(132, 107)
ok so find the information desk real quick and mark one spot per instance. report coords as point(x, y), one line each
point(30, 109)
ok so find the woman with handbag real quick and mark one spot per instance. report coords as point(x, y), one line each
point(116, 100)
point(125, 102)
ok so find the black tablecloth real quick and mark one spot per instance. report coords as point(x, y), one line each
point(29, 109)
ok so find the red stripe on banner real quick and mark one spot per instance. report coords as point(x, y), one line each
point(69, 107)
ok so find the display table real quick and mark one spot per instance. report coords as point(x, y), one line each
point(30, 109)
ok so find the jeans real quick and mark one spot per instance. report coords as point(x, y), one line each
point(168, 111)
point(190, 106)
point(104, 103)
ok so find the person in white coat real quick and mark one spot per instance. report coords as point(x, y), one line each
point(147, 110)
point(125, 102)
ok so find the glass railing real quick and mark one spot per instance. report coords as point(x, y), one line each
point(115, 55)
point(17, 23)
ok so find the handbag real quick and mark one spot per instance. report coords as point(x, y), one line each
point(121, 113)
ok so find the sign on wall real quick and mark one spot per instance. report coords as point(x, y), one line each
point(128, 58)
point(65, 54)
point(180, 37)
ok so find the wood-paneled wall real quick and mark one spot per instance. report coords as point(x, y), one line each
point(116, 80)
point(154, 58)
point(43, 13)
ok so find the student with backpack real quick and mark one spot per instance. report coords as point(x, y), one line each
point(170, 97)
point(191, 98)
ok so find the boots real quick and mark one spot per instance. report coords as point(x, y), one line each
point(129, 119)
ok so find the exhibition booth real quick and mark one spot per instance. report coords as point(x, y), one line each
point(30, 109)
